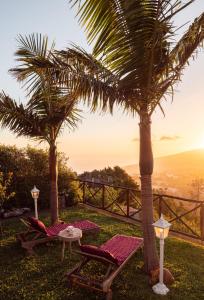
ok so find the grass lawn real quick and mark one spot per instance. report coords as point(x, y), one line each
point(42, 276)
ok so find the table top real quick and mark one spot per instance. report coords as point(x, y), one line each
point(70, 236)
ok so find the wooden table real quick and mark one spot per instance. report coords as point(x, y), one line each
point(67, 237)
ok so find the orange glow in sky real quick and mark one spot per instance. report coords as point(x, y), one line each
point(104, 140)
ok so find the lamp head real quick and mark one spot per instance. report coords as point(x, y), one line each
point(161, 228)
point(35, 192)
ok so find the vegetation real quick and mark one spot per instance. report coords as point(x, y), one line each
point(5, 182)
point(114, 191)
point(114, 176)
point(197, 186)
point(29, 167)
point(5, 195)
point(42, 276)
point(135, 63)
point(49, 108)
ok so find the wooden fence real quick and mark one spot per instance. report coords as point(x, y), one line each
point(185, 215)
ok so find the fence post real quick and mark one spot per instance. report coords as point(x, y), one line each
point(83, 190)
point(128, 203)
point(103, 196)
point(202, 221)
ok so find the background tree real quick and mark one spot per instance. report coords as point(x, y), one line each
point(197, 186)
point(5, 195)
point(116, 182)
point(30, 166)
point(115, 176)
point(49, 107)
point(138, 63)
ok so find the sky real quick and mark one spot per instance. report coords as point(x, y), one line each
point(103, 140)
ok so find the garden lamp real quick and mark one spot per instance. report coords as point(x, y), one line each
point(35, 194)
point(161, 228)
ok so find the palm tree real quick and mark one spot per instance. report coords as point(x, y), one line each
point(135, 63)
point(49, 107)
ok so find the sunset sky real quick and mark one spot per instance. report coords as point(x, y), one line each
point(103, 140)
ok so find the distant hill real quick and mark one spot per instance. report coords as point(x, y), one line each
point(189, 162)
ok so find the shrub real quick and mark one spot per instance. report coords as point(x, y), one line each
point(29, 167)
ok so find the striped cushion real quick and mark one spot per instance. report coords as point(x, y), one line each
point(84, 225)
point(121, 246)
point(94, 250)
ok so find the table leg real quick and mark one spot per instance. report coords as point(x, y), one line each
point(63, 248)
point(70, 247)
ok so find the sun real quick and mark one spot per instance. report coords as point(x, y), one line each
point(200, 143)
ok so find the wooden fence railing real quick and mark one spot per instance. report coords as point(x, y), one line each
point(185, 215)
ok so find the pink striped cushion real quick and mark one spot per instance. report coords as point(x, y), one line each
point(55, 229)
point(121, 246)
point(84, 225)
point(94, 250)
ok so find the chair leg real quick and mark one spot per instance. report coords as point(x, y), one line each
point(30, 251)
point(109, 295)
point(28, 246)
point(69, 283)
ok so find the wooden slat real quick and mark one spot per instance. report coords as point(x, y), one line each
point(186, 213)
point(186, 225)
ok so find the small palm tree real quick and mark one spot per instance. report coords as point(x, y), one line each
point(49, 107)
point(135, 63)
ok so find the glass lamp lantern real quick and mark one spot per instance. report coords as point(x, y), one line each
point(161, 228)
point(35, 194)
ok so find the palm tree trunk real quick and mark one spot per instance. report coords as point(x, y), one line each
point(53, 183)
point(146, 169)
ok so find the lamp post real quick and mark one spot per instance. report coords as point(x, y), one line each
point(35, 194)
point(161, 228)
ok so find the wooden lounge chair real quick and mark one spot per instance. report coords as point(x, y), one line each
point(115, 253)
point(37, 233)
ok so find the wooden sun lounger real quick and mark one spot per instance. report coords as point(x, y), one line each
point(115, 253)
point(37, 233)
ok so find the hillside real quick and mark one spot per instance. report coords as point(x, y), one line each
point(175, 173)
point(191, 162)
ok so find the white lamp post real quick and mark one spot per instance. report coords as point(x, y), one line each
point(35, 194)
point(161, 228)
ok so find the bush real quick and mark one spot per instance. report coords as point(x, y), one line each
point(29, 167)
point(116, 180)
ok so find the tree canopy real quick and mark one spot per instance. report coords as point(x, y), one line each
point(30, 167)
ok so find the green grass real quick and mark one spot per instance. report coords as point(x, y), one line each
point(42, 276)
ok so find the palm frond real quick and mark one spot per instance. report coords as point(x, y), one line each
point(19, 119)
point(134, 40)
point(188, 44)
point(54, 106)
point(86, 78)
point(186, 48)
point(72, 115)
point(33, 55)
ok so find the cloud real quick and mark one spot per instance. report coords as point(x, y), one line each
point(162, 138)
point(169, 138)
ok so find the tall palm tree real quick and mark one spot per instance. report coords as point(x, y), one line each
point(49, 108)
point(135, 63)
